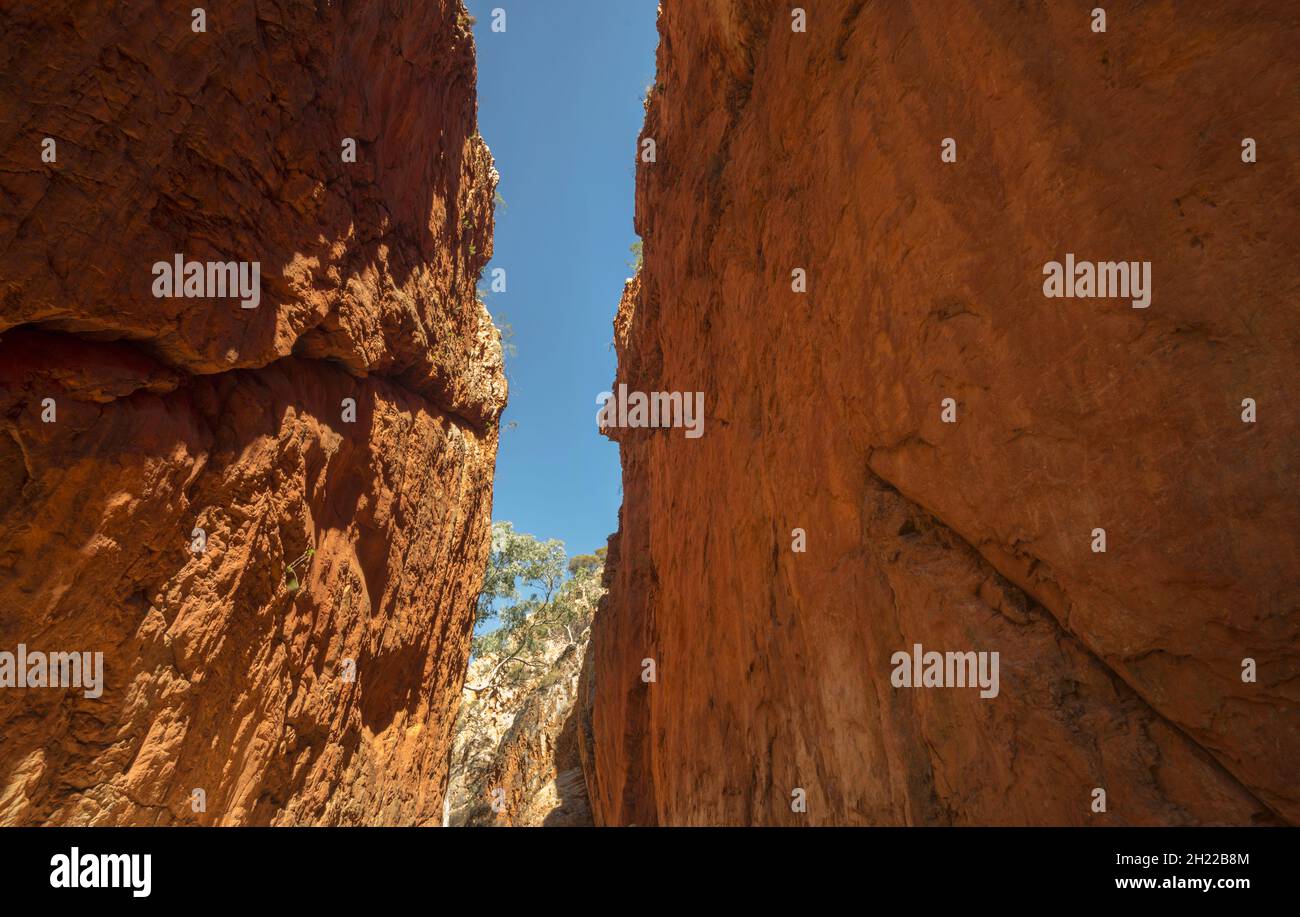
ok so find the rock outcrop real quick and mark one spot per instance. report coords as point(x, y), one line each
point(516, 761)
point(164, 460)
point(1162, 671)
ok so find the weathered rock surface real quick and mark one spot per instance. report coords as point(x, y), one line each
point(516, 762)
point(1121, 670)
point(333, 704)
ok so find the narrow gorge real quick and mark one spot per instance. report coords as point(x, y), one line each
point(967, 491)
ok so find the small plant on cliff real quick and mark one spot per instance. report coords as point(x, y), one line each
point(507, 333)
point(290, 570)
point(638, 256)
point(538, 596)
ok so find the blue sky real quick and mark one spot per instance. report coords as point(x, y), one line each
point(559, 103)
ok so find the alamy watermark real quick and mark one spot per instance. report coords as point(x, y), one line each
point(36, 669)
point(1104, 279)
point(920, 669)
point(103, 870)
point(654, 410)
point(179, 278)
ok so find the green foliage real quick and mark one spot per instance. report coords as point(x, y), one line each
point(290, 571)
point(537, 595)
point(638, 257)
point(507, 333)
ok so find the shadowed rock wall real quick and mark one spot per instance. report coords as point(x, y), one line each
point(333, 704)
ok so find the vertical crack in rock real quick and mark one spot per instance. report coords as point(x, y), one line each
point(346, 426)
point(778, 150)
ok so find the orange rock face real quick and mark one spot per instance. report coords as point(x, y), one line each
point(163, 460)
point(1161, 671)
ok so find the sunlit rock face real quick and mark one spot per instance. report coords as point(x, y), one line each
point(516, 762)
point(165, 458)
point(733, 679)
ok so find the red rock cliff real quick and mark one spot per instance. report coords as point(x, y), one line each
point(1122, 671)
point(333, 704)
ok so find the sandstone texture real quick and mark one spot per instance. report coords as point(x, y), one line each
point(333, 704)
point(1121, 670)
point(516, 761)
